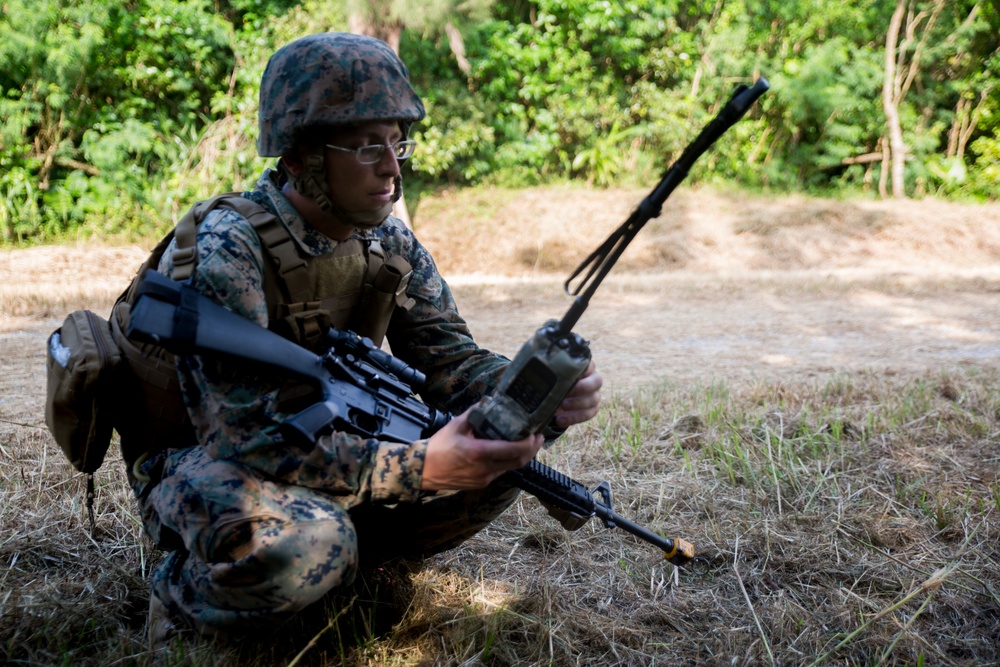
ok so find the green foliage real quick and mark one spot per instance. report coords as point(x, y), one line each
point(985, 179)
point(456, 139)
point(221, 156)
point(579, 81)
point(253, 15)
point(823, 96)
point(96, 94)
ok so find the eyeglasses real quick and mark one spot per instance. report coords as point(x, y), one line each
point(373, 152)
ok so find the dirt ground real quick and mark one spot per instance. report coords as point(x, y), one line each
point(720, 286)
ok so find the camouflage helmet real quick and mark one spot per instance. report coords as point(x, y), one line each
point(331, 79)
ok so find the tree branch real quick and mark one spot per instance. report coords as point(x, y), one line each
point(863, 159)
point(76, 164)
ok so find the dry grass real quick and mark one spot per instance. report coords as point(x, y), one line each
point(853, 522)
point(50, 281)
point(839, 520)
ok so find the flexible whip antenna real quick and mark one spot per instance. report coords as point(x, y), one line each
point(599, 263)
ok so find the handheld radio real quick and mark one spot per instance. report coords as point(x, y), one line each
point(550, 362)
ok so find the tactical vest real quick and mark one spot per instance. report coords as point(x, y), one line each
point(355, 287)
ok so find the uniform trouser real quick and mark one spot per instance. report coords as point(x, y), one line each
point(255, 551)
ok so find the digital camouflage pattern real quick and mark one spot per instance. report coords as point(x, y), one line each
point(257, 551)
point(245, 503)
point(331, 79)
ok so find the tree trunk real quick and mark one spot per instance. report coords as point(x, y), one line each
point(963, 126)
point(957, 124)
point(457, 46)
point(890, 104)
point(388, 31)
point(883, 188)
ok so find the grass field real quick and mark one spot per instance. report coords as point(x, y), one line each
point(840, 518)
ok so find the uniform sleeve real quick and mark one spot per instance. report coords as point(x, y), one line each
point(434, 338)
point(235, 408)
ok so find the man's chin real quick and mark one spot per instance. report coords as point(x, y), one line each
point(370, 219)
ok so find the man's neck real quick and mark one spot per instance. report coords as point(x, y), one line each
point(322, 221)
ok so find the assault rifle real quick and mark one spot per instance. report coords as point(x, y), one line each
point(363, 390)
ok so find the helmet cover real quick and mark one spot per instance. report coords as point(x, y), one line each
point(331, 78)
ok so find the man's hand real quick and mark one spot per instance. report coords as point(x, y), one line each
point(457, 459)
point(583, 400)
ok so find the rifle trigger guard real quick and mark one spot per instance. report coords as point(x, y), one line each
point(603, 491)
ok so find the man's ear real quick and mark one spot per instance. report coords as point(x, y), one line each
point(301, 159)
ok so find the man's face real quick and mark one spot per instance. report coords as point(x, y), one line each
point(357, 187)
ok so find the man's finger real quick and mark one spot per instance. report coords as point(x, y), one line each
point(503, 452)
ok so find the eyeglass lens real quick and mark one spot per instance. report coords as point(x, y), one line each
point(401, 150)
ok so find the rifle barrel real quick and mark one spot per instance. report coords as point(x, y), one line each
point(677, 552)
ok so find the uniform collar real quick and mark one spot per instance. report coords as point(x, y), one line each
point(268, 193)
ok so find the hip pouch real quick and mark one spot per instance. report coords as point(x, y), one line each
point(81, 365)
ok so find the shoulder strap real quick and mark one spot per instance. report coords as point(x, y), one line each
point(290, 268)
point(185, 255)
point(152, 261)
point(160, 419)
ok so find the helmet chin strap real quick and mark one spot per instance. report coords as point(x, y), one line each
point(311, 182)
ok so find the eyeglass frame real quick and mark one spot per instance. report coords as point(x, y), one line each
point(411, 144)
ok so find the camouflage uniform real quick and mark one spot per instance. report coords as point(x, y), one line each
point(260, 527)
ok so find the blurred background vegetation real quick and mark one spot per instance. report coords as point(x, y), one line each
point(116, 115)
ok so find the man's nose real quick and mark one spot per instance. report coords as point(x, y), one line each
point(388, 164)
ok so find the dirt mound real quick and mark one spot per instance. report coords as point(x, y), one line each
point(549, 231)
point(552, 229)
